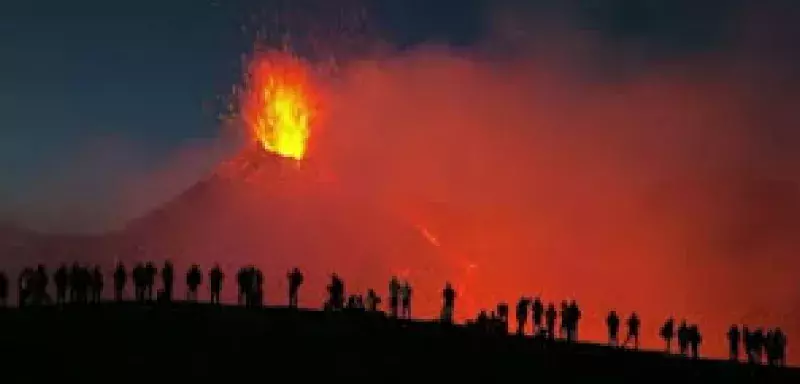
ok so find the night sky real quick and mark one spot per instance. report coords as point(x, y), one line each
point(147, 75)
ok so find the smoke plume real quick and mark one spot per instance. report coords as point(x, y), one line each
point(574, 168)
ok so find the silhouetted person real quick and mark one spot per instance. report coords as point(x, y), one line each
point(537, 314)
point(74, 282)
point(769, 347)
point(612, 322)
point(295, 278)
point(215, 278)
point(667, 333)
point(550, 319)
point(244, 279)
point(120, 279)
point(734, 338)
point(683, 338)
point(491, 324)
point(61, 280)
point(168, 280)
point(574, 313)
point(448, 303)
point(97, 284)
point(139, 275)
point(150, 272)
point(758, 345)
point(564, 313)
point(502, 318)
point(747, 343)
point(352, 302)
point(522, 314)
point(193, 280)
point(24, 286)
point(695, 339)
point(3, 289)
point(482, 321)
point(780, 347)
point(394, 296)
point(373, 300)
point(405, 300)
point(633, 331)
point(40, 282)
point(779, 344)
point(84, 283)
point(336, 293)
point(258, 288)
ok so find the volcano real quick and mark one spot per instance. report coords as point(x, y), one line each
point(278, 213)
point(276, 207)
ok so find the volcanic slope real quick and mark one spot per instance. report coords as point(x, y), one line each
point(128, 343)
point(277, 213)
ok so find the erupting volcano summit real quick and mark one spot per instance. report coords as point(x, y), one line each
point(278, 106)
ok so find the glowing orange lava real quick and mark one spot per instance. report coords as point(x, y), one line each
point(428, 235)
point(278, 107)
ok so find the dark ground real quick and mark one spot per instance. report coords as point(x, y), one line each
point(128, 343)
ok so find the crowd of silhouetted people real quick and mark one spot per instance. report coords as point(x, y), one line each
point(82, 284)
point(758, 344)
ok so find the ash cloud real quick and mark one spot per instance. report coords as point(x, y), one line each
point(623, 175)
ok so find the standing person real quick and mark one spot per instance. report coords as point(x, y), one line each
point(215, 278)
point(633, 331)
point(612, 322)
point(295, 278)
point(394, 294)
point(448, 301)
point(405, 300)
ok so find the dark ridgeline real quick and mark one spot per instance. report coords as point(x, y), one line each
point(78, 337)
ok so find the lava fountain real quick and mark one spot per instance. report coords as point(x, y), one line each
point(278, 107)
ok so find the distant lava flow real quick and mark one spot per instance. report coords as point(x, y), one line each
point(278, 105)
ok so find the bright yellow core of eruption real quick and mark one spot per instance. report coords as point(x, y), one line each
point(282, 125)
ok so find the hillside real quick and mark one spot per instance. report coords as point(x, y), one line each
point(127, 343)
point(276, 215)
